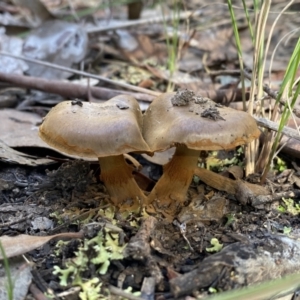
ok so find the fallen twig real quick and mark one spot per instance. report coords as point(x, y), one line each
point(245, 192)
point(269, 257)
point(143, 21)
point(139, 247)
point(8, 224)
point(67, 89)
point(37, 293)
point(264, 199)
point(290, 132)
point(266, 88)
point(148, 288)
point(82, 73)
point(119, 292)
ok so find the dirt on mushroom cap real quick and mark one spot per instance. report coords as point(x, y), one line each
point(93, 130)
point(200, 125)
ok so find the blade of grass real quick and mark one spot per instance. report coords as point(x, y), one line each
point(250, 150)
point(172, 45)
point(269, 136)
point(287, 88)
point(268, 290)
point(256, 91)
point(260, 37)
point(239, 49)
point(271, 34)
point(10, 283)
point(248, 21)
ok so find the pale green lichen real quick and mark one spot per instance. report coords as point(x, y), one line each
point(91, 290)
point(216, 246)
point(99, 251)
point(290, 206)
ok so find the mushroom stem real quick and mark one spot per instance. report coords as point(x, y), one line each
point(170, 191)
point(120, 184)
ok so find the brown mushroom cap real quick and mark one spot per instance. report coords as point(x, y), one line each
point(200, 124)
point(91, 130)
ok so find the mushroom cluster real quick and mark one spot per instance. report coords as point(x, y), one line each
point(108, 131)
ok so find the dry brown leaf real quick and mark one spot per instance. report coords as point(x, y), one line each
point(20, 129)
point(38, 11)
point(211, 39)
point(55, 41)
point(137, 48)
point(217, 43)
point(214, 209)
point(23, 243)
point(177, 77)
point(236, 172)
point(12, 156)
point(13, 45)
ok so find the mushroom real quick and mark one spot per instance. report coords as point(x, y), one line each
point(192, 124)
point(105, 131)
point(160, 158)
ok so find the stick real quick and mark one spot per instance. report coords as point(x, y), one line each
point(290, 132)
point(86, 74)
point(67, 89)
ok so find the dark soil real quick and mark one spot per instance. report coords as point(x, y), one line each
point(38, 201)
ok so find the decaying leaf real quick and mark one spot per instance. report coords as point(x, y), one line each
point(177, 77)
point(38, 11)
point(20, 129)
point(23, 243)
point(57, 42)
point(12, 45)
point(214, 209)
point(20, 272)
point(12, 156)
